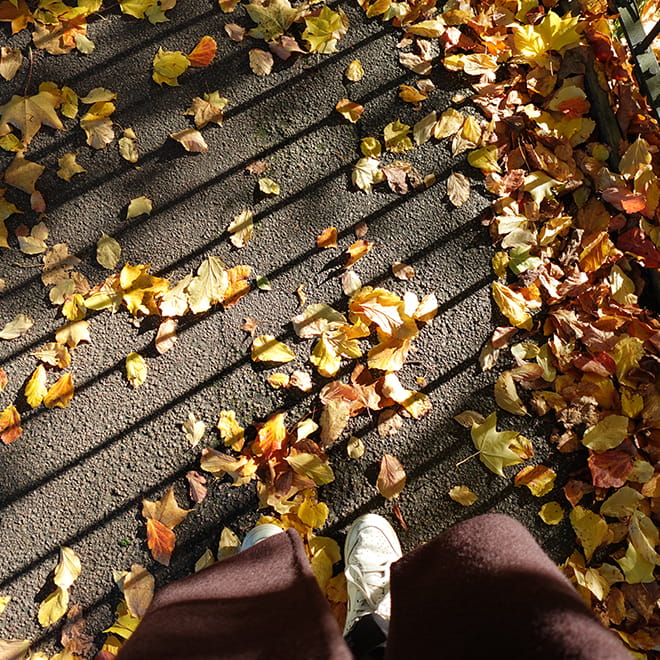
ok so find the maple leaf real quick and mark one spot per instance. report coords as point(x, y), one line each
point(323, 31)
point(29, 113)
point(273, 18)
point(207, 109)
point(209, 285)
point(10, 425)
point(162, 517)
point(494, 446)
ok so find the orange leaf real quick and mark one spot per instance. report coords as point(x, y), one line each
point(204, 52)
point(624, 200)
point(61, 393)
point(327, 238)
point(270, 437)
point(10, 425)
point(19, 16)
point(160, 540)
point(357, 251)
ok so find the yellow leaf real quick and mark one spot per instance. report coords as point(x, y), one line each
point(416, 403)
point(266, 348)
point(311, 466)
point(209, 285)
point(231, 432)
point(108, 251)
point(61, 393)
point(168, 66)
point(354, 71)
point(99, 132)
point(128, 146)
point(357, 250)
point(69, 167)
point(485, 159)
point(636, 569)
point(506, 395)
point(590, 529)
point(538, 478)
point(4, 601)
point(370, 146)
point(54, 607)
point(609, 433)
point(241, 228)
point(463, 495)
point(29, 113)
point(349, 110)
point(74, 308)
point(268, 186)
point(411, 94)
point(644, 535)
point(367, 172)
point(396, 137)
point(273, 18)
point(136, 207)
point(551, 513)
point(622, 503)
point(241, 470)
point(432, 28)
point(71, 334)
point(325, 358)
point(512, 305)
point(136, 369)
point(596, 252)
point(35, 389)
point(494, 446)
point(323, 32)
point(229, 543)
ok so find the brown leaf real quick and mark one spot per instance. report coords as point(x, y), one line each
point(391, 478)
point(73, 639)
point(138, 587)
point(327, 238)
point(196, 483)
point(398, 515)
point(458, 188)
point(334, 419)
point(249, 325)
point(165, 510)
point(261, 61)
point(389, 423)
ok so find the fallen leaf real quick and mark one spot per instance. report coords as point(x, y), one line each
point(354, 71)
point(261, 61)
point(209, 286)
point(35, 388)
point(191, 140)
point(69, 167)
point(458, 188)
point(10, 425)
point(327, 238)
point(402, 271)
point(349, 110)
point(334, 418)
point(538, 478)
point(166, 336)
point(463, 495)
point(168, 66)
point(197, 489)
point(138, 206)
point(241, 228)
point(268, 186)
point(590, 529)
point(266, 348)
point(162, 517)
point(16, 328)
point(609, 433)
point(108, 249)
point(355, 447)
point(29, 113)
point(311, 466)
point(60, 394)
point(193, 430)
point(53, 607)
point(494, 446)
point(10, 62)
point(506, 395)
point(249, 325)
point(231, 432)
point(323, 31)
point(551, 513)
point(396, 137)
point(391, 477)
point(136, 369)
point(68, 569)
point(128, 146)
point(356, 251)
point(235, 32)
point(71, 334)
point(203, 53)
point(138, 588)
point(229, 543)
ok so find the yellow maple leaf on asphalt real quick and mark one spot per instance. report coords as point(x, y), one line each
point(28, 113)
point(273, 18)
point(494, 446)
point(323, 32)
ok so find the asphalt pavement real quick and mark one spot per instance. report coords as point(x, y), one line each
point(76, 476)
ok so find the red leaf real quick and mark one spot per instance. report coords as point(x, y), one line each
point(637, 242)
point(160, 540)
point(601, 45)
point(204, 52)
point(624, 200)
point(610, 469)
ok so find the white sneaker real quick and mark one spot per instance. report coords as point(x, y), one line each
point(258, 533)
point(371, 547)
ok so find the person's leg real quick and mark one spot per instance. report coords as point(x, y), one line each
point(263, 602)
point(485, 589)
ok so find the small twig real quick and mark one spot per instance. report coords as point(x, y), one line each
point(465, 460)
point(29, 78)
point(27, 265)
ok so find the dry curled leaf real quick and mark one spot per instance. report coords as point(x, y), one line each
point(391, 477)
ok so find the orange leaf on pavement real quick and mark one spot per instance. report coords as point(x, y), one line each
point(204, 52)
point(10, 425)
point(160, 541)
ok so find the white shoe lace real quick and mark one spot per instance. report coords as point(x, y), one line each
point(372, 590)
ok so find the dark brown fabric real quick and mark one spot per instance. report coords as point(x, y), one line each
point(485, 589)
point(263, 603)
point(482, 589)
